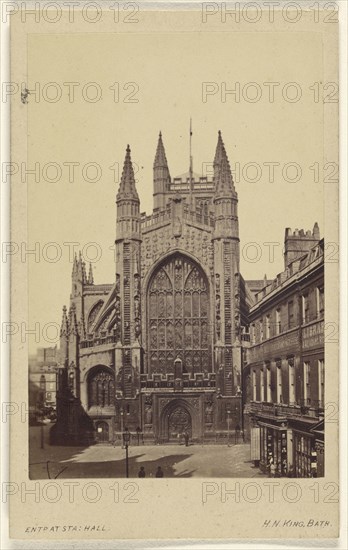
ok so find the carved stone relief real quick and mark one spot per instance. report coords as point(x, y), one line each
point(196, 242)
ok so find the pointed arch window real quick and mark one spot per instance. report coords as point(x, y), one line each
point(178, 317)
point(93, 314)
point(101, 388)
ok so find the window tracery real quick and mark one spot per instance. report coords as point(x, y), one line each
point(178, 317)
point(93, 314)
point(101, 389)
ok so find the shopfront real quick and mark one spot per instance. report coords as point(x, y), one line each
point(318, 454)
point(273, 448)
point(305, 456)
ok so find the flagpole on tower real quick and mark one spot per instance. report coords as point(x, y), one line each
point(191, 170)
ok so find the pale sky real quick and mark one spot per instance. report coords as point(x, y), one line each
point(168, 71)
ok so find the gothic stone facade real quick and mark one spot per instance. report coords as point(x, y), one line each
point(160, 350)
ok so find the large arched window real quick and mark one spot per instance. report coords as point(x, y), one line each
point(93, 314)
point(101, 388)
point(178, 314)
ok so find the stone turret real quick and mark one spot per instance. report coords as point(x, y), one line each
point(128, 280)
point(299, 242)
point(227, 279)
point(225, 199)
point(127, 201)
point(222, 170)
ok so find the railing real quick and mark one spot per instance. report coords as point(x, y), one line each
point(312, 334)
point(156, 218)
point(164, 216)
point(274, 345)
point(199, 217)
point(103, 339)
point(102, 287)
point(187, 382)
point(311, 408)
point(203, 184)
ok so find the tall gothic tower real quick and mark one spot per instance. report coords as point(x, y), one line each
point(226, 268)
point(128, 277)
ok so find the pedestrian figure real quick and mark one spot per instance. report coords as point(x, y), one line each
point(291, 471)
point(142, 472)
point(159, 472)
point(270, 461)
point(186, 436)
point(272, 469)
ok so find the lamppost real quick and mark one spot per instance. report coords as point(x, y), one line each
point(42, 444)
point(39, 406)
point(138, 430)
point(119, 409)
point(228, 426)
point(126, 439)
point(121, 415)
point(237, 430)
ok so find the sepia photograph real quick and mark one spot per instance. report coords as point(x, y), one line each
point(174, 270)
point(181, 364)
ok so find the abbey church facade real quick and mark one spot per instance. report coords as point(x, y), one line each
point(166, 349)
point(160, 349)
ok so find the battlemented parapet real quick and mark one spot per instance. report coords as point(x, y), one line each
point(298, 242)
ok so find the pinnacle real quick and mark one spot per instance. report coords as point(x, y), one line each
point(220, 149)
point(72, 319)
point(75, 265)
point(84, 277)
point(222, 170)
point(127, 186)
point(160, 157)
point(64, 328)
point(90, 275)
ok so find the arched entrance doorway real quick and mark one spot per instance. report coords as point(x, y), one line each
point(102, 429)
point(179, 422)
point(176, 418)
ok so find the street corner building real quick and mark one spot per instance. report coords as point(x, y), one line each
point(166, 348)
point(284, 378)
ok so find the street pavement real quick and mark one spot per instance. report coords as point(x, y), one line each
point(107, 461)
